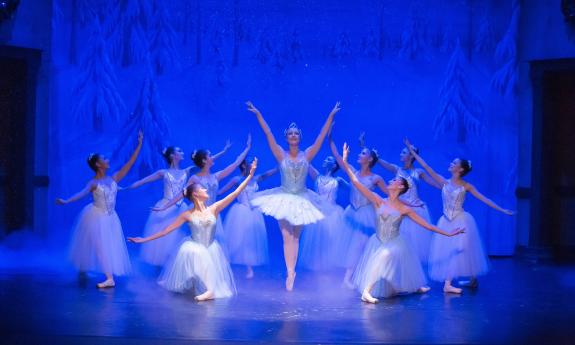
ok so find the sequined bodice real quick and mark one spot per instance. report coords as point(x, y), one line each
point(105, 194)
point(388, 222)
point(174, 183)
point(326, 187)
point(203, 228)
point(247, 194)
point(412, 177)
point(357, 199)
point(453, 198)
point(293, 173)
point(211, 183)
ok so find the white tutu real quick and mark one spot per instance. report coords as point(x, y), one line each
point(318, 250)
point(296, 208)
point(246, 234)
point(198, 268)
point(359, 226)
point(392, 265)
point(418, 237)
point(457, 256)
point(98, 243)
point(158, 251)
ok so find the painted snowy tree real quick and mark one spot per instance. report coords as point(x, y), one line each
point(128, 36)
point(98, 99)
point(82, 12)
point(504, 79)
point(413, 37)
point(149, 117)
point(459, 107)
point(164, 53)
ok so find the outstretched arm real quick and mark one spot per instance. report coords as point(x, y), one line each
point(218, 206)
point(126, 168)
point(311, 151)
point(234, 181)
point(181, 219)
point(277, 151)
point(388, 166)
point(342, 182)
point(420, 221)
point(150, 178)
point(89, 187)
point(371, 196)
point(266, 174)
point(313, 173)
point(471, 189)
point(338, 158)
point(230, 168)
point(381, 184)
point(223, 151)
point(438, 178)
point(425, 177)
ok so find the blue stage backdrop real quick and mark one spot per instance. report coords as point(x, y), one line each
point(442, 73)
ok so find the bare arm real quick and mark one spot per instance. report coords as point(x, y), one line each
point(266, 174)
point(438, 178)
point(150, 178)
point(313, 173)
point(420, 221)
point(126, 168)
point(230, 168)
point(222, 152)
point(388, 166)
point(181, 219)
point(371, 196)
point(342, 181)
point(380, 183)
point(311, 151)
point(218, 206)
point(234, 181)
point(471, 189)
point(338, 158)
point(425, 177)
point(277, 151)
point(85, 191)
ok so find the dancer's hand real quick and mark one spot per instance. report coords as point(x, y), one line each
point(60, 201)
point(253, 166)
point(508, 212)
point(252, 108)
point(140, 137)
point(336, 108)
point(227, 145)
point(136, 240)
point(345, 153)
point(408, 144)
point(361, 139)
point(457, 232)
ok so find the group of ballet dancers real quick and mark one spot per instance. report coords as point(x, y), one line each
point(382, 243)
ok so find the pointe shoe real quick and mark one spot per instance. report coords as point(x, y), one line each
point(290, 281)
point(452, 289)
point(471, 283)
point(208, 295)
point(368, 298)
point(423, 289)
point(108, 283)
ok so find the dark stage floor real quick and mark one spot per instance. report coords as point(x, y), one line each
point(518, 302)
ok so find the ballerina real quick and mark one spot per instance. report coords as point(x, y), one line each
point(359, 215)
point(463, 256)
point(318, 247)
point(157, 252)
point(292, 204)
point(244, 225)
point(389, 265)
point(420, 240)
point(204, 160)
point(200, 264)
point(98, 241)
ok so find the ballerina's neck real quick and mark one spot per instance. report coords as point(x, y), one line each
point(100, 174)
point(365, 170)
point(205, 171)
point(175, 165)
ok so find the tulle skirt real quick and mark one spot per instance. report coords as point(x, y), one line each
point(392, 265)
point(246, 234)
point(98, 243)
point(359, 226)
point(297, 209)
point(318, 249)
point(158, 251)
point(457, 256)
point(418, 236)
point(197, 268)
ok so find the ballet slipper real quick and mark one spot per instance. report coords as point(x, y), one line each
point(208, 295)
point(368, 298)
point(448, 288)
point(108, 283)
point(423, 289)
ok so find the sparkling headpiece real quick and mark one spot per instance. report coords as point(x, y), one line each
point(194, 154)
point(292, 126)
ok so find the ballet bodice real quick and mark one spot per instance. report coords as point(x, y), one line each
point(326, 187)
point(293, 173)
point(388, 222)
point(247, 194)
point(203, 228)
point(357, 199)
point(211, 183)
point(174, 183)
point(412, 177)
point(453, 198)
point(105, 194)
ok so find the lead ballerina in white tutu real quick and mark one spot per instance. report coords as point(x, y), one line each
point(244, 225)
point(98, 241)
point(318, 241)
point(157, 252)
point(389, 265)
point(200, 264)
point(463, 256)
point(292, 204)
